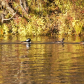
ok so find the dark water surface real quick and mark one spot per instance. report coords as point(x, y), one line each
point(41, 63)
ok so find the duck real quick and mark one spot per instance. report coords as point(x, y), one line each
point(62, 41)
point(28, 41)
point(82, 42)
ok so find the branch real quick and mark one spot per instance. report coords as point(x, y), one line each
point(8, 18)
point(21, 4)
point(11, 10)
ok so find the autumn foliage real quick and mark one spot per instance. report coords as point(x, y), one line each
point(45, 17)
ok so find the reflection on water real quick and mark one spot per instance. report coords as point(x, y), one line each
point(42, 63)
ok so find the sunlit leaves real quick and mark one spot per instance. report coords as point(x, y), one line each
point(44, 16)
point(36, 27)
point(78, 27)
point(5, 28)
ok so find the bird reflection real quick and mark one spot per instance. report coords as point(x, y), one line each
point(27, 45)
point(27, 42)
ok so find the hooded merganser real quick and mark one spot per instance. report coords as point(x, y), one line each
point(27, 41)
point(82, 42)
point(62, 40)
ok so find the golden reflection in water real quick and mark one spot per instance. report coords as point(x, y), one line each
point(42, 63)
point(9, 64)
point(65, 65)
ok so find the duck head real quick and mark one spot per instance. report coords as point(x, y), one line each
point(62, 39)
point(28, 40)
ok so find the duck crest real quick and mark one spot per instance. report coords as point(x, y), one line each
point(28, 40)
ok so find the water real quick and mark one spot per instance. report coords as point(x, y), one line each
point(41, 63)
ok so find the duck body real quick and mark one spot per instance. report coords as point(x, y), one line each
point(27, 41)
point(62, 41)
point(82, 42)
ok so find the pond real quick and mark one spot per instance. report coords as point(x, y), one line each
point(41, 63)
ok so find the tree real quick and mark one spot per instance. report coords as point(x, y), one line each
point(9, 11)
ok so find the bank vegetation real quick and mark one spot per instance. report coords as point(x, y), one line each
point(41, 17)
